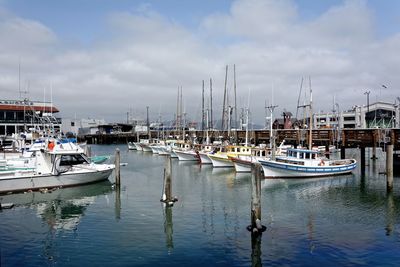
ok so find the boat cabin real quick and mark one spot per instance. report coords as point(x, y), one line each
point(303, 154)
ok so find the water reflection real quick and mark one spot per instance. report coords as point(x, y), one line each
point(61, 209)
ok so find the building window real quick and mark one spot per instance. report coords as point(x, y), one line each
point(72, 123)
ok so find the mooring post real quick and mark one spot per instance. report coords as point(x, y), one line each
point(117, 167)
point(167, 192)
point(362, 159)
point(342, 152)
point(389, 168)
point(256, 227)
point(375, 138)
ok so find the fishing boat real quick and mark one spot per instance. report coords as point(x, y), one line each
point(243, 163)
point(221, 158)
point(185, 152)
point(302, 163)
point(131, 146)
point(58, 165)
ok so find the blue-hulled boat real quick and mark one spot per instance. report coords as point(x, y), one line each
point(303, 163)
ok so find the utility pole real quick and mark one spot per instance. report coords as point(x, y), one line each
point(367, 93)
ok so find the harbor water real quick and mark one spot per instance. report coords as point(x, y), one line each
point(335, 221)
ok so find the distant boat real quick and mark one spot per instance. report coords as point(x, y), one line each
point(243, 163)
point(221, 158)
point(302, 163)
point(131, 146)
point(58, 165)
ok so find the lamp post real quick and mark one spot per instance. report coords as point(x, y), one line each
point(367, 93)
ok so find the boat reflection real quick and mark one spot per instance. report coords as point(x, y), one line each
point(63, 208)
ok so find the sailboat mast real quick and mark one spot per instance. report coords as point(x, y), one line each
point(311, 118)
point(234, 89)
point(224, 103)
point(202, 108)
point(211, 106)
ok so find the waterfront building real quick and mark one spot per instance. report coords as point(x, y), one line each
point(17, 116)
point(81, 126)
point(377, 115)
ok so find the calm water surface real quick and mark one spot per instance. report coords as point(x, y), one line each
point(337, 221)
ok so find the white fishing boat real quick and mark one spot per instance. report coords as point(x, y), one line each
point(302, 163)
point(189, 155)
point(185, 152)
point(205, 151)
point(221, 158)
point(131, 146)
point(243, 163)
point(138, 146)
point(58, 165)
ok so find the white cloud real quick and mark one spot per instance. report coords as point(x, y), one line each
point(144, 56)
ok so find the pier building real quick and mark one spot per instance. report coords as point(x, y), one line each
point(25, 115)
point(377, 115)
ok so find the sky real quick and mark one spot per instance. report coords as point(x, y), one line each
point(102, 58)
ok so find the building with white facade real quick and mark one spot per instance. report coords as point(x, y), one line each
point(377, 115)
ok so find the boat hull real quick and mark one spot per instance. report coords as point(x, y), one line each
point(138, 146)
point(131, 146)
point(30, 181)
point(186, 155)
point(221, 162)
point(241, 165)
point(273, 169)
point(204, 159)
point(146, 148)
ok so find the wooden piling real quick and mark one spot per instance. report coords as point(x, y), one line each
point(342, 152)
point(117, 167)
point(167, 192)
point(389, 168)
point(375, 137)
point(256, 226)
point(362, 161)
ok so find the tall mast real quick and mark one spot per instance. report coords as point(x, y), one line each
point(234, 89)
point(207, 125)
point(211, 106)
point(202, 108)
point(224, 103)
point(311, 118)
point(177, 112)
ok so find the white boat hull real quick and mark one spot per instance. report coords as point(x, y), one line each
point(131, 146)
point(31, 181)
point(273, 169)
point(221, 162)
point(242, 166)
point(204, 159)
point(146, 148)
point(186, 155)
point(138, 146)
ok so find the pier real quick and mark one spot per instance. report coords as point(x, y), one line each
point(346, 138)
